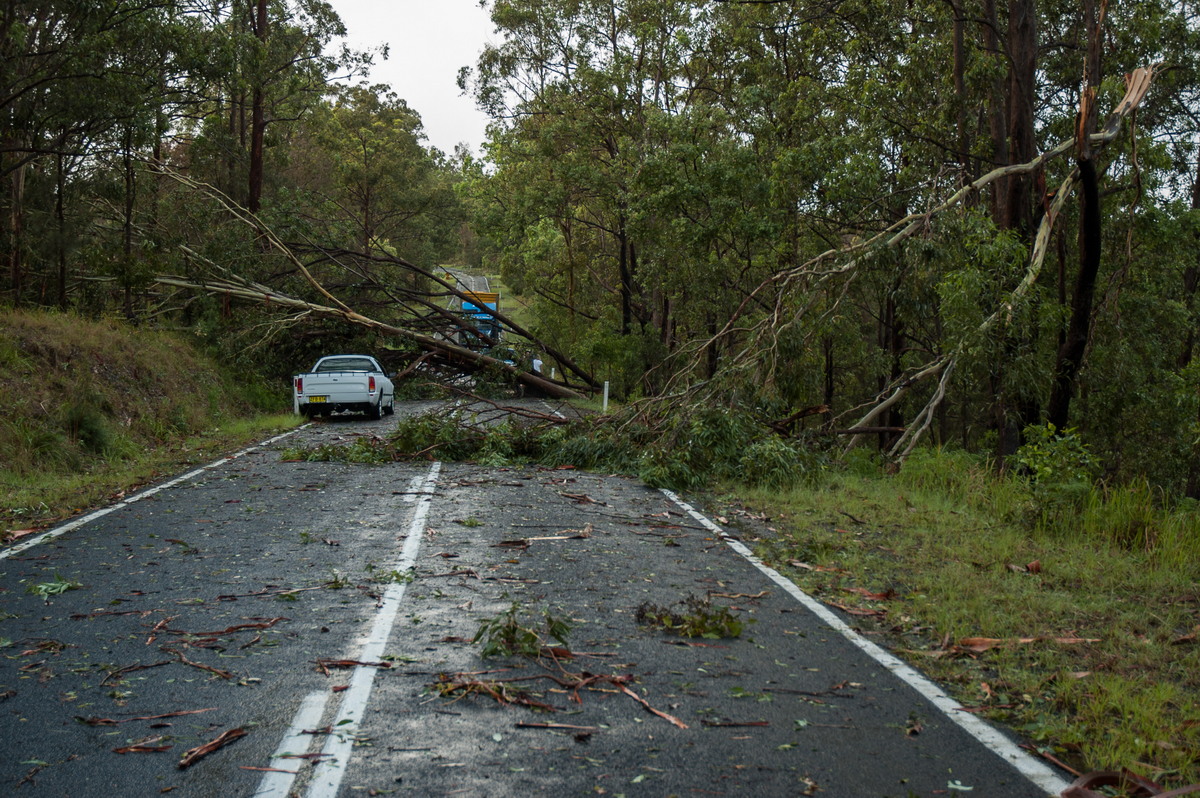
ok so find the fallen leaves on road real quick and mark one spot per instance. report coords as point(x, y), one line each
point(225, 738)
point(457, 686)
point(519, 543)
point(563, 726)
point(146, 746)
point(120, 672)
point(670, 718)
point(323, 664)
point(200, 665)
point(262, 623)
point(580, 498)
point(268, 591)
point(95, 721)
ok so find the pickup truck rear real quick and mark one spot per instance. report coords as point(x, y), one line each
point(344, 382)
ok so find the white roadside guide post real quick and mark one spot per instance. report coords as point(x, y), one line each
point(605, 410)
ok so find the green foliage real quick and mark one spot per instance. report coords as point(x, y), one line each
point(507, 635)
point(725, 444)
point(1060, 469)
point(706, 447)
point(695, 617)
point(780, 464)
point(55, 587)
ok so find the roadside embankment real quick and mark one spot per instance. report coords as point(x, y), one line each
point(93, 407)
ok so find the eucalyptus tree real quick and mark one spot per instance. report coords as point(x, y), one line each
point(269, 63)
point(579, 82)
point(73, 76)
point(366, 184)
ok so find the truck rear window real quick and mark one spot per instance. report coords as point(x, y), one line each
point(345, 364)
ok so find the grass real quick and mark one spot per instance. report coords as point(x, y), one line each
point(947, 551)
point(35, 501)
point(94, 408)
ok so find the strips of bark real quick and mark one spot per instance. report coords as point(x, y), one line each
point(191, 756)
point(671, 718)
point(95, 721)
point(179, 655)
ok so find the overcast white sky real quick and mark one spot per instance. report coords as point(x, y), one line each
point(429, 41)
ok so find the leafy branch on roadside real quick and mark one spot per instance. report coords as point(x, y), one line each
point(456, 686)
point(55, 587)
point(674, 451)
point(506, 636)
point(697, 618)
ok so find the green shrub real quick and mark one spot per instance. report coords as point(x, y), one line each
point(1059, 469)
point(88, 426)
point(779, 464)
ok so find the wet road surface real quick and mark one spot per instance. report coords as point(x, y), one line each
point(320, 616)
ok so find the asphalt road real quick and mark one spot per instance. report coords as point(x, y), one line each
point(310, 616)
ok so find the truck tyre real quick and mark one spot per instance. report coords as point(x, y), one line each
point(375, 411)
point(390, 410)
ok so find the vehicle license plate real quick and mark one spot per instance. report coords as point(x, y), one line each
point(317, 399)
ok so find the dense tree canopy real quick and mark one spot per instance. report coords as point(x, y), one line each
point(704, 186)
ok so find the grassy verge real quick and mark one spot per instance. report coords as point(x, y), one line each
point(1079, 629)
point(39, 501)
point(94, 408)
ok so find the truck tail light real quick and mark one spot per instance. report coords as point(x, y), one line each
point(371, 384)
point(299, 385)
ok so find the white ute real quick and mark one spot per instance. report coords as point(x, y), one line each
point(344, 382)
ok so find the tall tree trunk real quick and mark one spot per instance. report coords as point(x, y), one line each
point(258, 122)
point(60, 221)
point(1017, 207)
point(996, 116)
point(127, 225)
point(625, 271)
point(16, 234)
point(1014, 195)
point(1069, 359)
point(1191, 285)
point(1070, 354)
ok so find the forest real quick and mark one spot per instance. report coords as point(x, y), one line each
point(856, 223)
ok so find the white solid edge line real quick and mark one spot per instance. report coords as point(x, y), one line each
point(546, 405)
point(87, 519)
point(327, 777)
point(1029, 767)
point(277, 784)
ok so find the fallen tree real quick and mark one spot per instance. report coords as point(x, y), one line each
point(432, 326)
point(791, 292)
